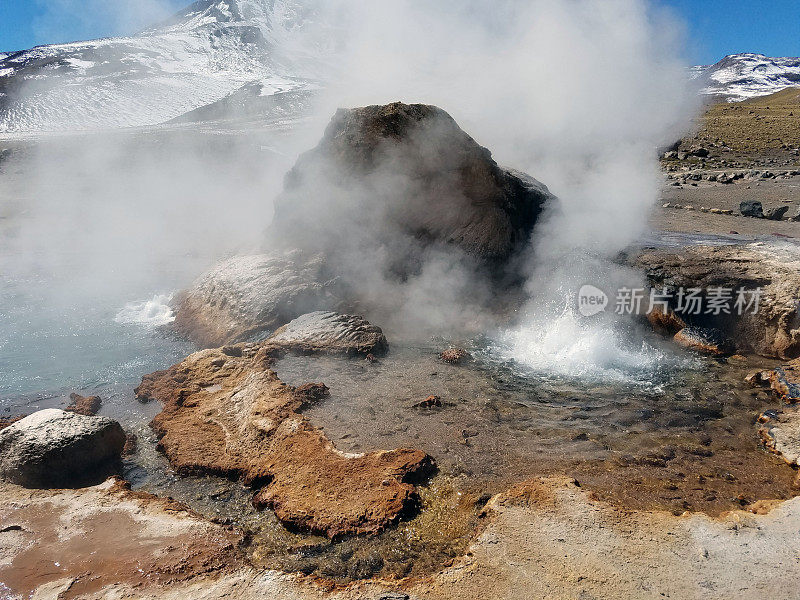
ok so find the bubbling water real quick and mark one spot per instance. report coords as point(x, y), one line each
point(151, 313)
point(563, 344)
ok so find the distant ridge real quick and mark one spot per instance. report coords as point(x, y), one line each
point(205, 53)
point(738, 77)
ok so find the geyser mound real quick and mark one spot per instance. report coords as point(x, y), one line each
point(417, 226)
point(384, 174)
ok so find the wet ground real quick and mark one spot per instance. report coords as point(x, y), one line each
point(686, 442)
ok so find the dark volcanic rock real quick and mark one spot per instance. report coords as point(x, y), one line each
point(385, 170)
point(330, 333)
point(776, 214)
point(751, 208)
point(56, 448)
point(248, 295)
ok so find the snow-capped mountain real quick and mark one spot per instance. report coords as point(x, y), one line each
point(204, 54)
point(741, 76)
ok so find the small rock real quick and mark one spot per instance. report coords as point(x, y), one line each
point(455, 356)
point(429, 402)
point(312, 392)
point(131, 444)
point(84, 405)
point(758, 379)
point(53, 448)
point(330, 333)
point(751, 208)
point(776, 214)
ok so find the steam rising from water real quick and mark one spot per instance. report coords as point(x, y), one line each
point(577, 93)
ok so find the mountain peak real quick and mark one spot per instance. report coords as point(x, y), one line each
point(747, 75)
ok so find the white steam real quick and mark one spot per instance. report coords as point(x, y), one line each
point(579, 94)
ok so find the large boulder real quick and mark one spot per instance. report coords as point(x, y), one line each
point(330, 333)
point(247, 296)
point(402, 177)
point(772, 328)
point(53, 448)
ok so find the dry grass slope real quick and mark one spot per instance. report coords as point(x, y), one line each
point(766, 123)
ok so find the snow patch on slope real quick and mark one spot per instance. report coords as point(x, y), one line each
point(204, 54)
point(741, 76)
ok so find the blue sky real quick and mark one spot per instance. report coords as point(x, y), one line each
point(714, 27)
point(720, 27)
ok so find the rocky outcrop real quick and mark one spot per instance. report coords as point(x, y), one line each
point(771, 327)
point(330, 333)
point(226, 412)
point(248, 296)
point(388, 191)
point(405, 175)
point(56, 448)
point(781, 433)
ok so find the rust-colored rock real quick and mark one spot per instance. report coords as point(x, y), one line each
point(84, 405)
point(131, 444)
point(7, 422)
point(233, 416)
point(429, 402)
point(704, 341)
point(665, 322)
point(455, 356)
